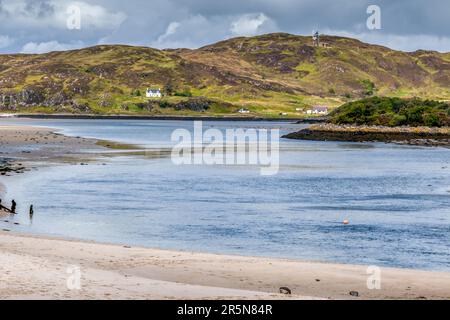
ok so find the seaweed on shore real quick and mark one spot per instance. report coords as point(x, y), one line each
point(8, 167)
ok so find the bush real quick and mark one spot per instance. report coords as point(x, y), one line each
point(369, 87)
point(164, 104)
point(185, 93)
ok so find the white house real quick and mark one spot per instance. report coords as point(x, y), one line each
point(318, 110)
point(244, 110)
point(153, 93)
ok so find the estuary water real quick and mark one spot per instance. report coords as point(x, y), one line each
point(397, 198)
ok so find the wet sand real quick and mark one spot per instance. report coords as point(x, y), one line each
point(22, 143)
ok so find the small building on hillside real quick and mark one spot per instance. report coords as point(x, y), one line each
point(318, 110)
point(244, 110)
point(153, 93)
point(7, 115)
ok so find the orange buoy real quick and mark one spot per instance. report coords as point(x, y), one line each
point(346, 222)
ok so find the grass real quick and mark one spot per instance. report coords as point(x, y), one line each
point(308, 67)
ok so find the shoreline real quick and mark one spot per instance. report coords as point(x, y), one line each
point(416, 136)
point(37, 267)
point(165, 117)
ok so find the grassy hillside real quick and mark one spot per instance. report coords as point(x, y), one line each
point(393, 112)
point(269, 75)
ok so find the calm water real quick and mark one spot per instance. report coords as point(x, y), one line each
point(396, 197)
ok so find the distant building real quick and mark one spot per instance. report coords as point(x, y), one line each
point(153, 93)
point(244, 110)
point(7, 115)
point(318, 110)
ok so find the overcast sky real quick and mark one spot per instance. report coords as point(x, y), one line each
point(36, 26)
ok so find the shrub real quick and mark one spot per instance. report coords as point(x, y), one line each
point(369, 87)
point(185, 93)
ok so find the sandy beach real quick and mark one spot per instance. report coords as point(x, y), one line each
point(37, 267)
point(33, 267)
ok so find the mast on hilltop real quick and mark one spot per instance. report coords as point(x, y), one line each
point(316, 39)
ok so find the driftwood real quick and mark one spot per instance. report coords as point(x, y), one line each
point(5, 209)
point(2, 207)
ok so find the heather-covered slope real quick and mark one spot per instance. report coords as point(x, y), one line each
point(269, 74)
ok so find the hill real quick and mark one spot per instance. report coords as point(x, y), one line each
point(393, 112)
point(269, 75)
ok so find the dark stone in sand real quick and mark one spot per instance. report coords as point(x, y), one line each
point(285, 290)
point(354, 293)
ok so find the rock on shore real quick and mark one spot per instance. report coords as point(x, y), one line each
point(403, 135)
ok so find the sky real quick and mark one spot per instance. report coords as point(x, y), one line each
point(38, 26)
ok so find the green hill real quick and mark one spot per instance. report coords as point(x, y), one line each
point(393, 112)
point(269, 75)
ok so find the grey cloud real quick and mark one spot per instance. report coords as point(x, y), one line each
point(39, 9)
point(406, 24)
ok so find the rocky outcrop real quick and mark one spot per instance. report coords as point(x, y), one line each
point(196, 104)
point(26, 97)
point(403, 135)
point(36, 97)
point(58, 99)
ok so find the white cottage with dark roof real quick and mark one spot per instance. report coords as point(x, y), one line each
point(153, 93)
point(318, 110)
